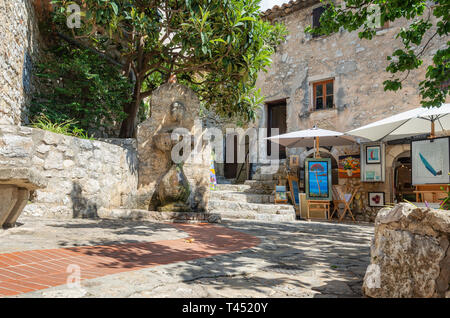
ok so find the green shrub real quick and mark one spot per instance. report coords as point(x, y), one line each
point(67, 127)
point(79, 88)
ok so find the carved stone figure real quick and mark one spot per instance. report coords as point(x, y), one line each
point(164, 185)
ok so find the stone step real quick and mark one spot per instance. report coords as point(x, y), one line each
point(154, 216)
point(223, 205)
point(242, 197)
point(252, 215)
point(232, 187)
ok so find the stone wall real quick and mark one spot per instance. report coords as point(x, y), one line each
point(410, 254)
point(357, 67)
point(18, 48)
point(83, 175)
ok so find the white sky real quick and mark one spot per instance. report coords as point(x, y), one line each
point(268, 4)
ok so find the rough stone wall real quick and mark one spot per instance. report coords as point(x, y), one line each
point(83, 175)
point(358, 69)
point(410, 254)
point(19, 44)
point(357, 66)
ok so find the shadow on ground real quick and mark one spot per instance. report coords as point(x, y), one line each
point(327, 258)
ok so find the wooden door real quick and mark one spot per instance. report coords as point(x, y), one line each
point(230, 168)
point(277, 119)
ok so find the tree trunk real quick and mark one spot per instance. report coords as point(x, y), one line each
point(131, 109)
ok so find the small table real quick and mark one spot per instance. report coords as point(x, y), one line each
point(319, 206)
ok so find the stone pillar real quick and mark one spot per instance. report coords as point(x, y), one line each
point(22, 199)
point(15, 187)
point(8, 200)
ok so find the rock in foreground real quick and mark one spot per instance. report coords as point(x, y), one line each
point(410, 255)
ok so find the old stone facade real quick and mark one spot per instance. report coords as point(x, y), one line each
point(19, 47)
point(357, 70)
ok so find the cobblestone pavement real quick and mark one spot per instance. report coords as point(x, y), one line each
point(292, 259)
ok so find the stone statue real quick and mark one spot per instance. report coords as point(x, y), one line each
point(172, 192)
point(164, 185)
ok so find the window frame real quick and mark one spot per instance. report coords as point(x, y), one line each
point(324, 94)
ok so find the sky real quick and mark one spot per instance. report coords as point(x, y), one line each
point(268, 4)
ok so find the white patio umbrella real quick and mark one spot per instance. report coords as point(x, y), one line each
point(312, 137)
point(413, 122)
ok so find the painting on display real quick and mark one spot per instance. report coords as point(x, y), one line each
point(318, 179)
point(281, 194)
point(430, 161)
point(372, 162)
point(373, 154)
point(350, 166)
point(294, 161)
point(376, 199)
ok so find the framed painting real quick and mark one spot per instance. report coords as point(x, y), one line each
point(430, 161)
point(294, 161)
point(372, 162)
point(349, 166)
point(376, 199)
point(293, 186)
point(318, 179)
point(373, 154)
point(281, 194)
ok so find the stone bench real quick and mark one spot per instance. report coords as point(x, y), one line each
point(15, 187)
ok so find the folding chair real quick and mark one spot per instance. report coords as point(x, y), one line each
point(346, 198)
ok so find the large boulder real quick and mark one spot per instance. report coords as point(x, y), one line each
point(410, 255)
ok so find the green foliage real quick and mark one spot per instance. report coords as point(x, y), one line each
point(68, 127)
point(445, 204)
point(79, 88)
point(424, 25)
point(215, 47)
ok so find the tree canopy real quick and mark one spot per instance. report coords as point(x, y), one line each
point(428, 20)
point(215, 47)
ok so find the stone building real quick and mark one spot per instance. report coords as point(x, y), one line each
point(336, 82)
point(19, 46)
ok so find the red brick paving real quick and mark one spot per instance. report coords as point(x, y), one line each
point(23, 272)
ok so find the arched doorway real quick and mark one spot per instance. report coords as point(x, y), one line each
point(402, 183)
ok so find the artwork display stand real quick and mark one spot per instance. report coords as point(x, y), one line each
point(319, 206)
point(295, 196)
point(318, 186)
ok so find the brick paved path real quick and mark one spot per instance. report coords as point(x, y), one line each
point(22, 272)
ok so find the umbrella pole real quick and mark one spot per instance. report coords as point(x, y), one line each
point(433, 130)
point(316, 148)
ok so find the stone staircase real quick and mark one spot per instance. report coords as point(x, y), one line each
point(252, 200)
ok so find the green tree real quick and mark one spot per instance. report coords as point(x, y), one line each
point(79, 87)
point(428, 20)
point(216, 47)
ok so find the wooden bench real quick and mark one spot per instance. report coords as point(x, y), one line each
point(318, 206)
point(15, 187)
point(432, 193)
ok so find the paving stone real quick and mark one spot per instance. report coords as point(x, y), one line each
point(242, 273)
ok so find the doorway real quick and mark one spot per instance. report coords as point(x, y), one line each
point(276, 118)
point(231, 167)
point(403, 188)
